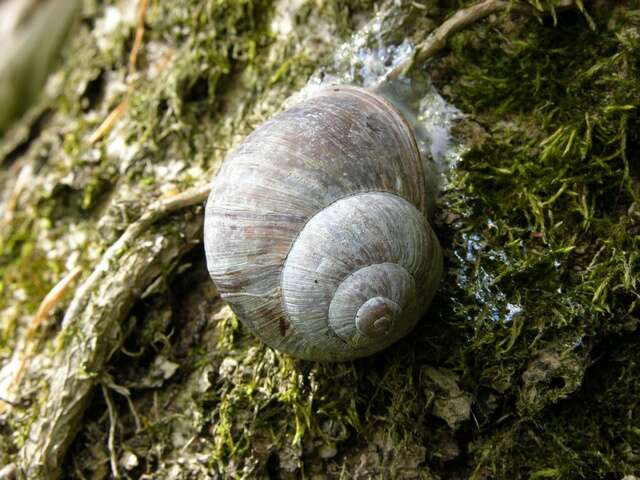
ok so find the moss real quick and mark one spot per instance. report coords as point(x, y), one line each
point(526, 366)
point(27, 276)
point(537, 222)
point(217, 40)
point(542, 234)
point(592, 435)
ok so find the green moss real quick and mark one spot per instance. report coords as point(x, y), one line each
point(536, 320)
point(542, 267)
point(216, 40)
point(593, 435)
point(539, 225)
point(26, 272)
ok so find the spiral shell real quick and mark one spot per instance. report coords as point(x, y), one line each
point(316, 229)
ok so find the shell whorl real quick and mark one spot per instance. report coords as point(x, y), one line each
point(351, 274)
point(316, 231)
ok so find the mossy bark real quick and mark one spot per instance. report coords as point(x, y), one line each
point(527, 365)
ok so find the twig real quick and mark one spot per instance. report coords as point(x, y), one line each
point(155, 211)
point(8, 472)
point(8, 402)
point(112, 432)
point(134, 412)
point(91, 329)
point(438, 39)
point(107, 381)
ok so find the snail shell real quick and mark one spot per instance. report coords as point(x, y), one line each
point(316, 228)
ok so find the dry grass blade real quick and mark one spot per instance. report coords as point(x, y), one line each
point(115, 114)
point(438, 39)
point(12, 203)
point(108, 123)
point(53, 298)
point(137, 42)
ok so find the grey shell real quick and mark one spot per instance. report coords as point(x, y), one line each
point(316, 228)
